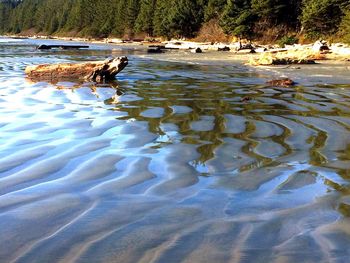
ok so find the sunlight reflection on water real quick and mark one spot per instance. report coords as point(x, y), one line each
point(168, 164)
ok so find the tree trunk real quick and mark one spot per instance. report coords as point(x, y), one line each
point(91, 71)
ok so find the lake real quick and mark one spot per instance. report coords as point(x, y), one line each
point(185, 158)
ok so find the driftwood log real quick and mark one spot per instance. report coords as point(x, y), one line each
point(61, 46)
point(285, 82)
point(91, 71)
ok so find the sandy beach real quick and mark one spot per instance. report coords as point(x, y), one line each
point(170, 162)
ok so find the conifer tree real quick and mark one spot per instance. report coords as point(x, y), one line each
point(214, 9)
point(74, 20)
point(120, 23)
point(144, 21)
point(238, 18)
point(345, 26)
point(5, 12)
point(161, 18)
point(131, 16)
point(181, 18)
point(322, 17)
point(107, 14)
point(185, 18)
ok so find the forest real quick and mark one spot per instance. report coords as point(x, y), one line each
point(207, 20)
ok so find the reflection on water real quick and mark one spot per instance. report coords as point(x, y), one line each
point(168, 164)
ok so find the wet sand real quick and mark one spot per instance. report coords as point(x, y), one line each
point(169, 165)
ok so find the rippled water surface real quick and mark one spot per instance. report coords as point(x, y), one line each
point(168, 164)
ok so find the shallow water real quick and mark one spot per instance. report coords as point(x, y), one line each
point(167, 164)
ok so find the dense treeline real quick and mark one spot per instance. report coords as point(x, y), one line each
point(181, 18)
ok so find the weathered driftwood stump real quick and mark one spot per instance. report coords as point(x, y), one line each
point(285, 82)
point(91, 71)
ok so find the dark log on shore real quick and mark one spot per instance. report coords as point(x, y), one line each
point(91, 71)
point(45, 47)
point(225, 48)
point(19, 37)
point(155, 49)
point(157, 46)
point(290, 61)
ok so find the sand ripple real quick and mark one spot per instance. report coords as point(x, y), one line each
point(170, 165)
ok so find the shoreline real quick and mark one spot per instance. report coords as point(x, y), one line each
point(320, 50)
point(331, 65)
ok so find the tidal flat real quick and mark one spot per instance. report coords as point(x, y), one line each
point(170, 164)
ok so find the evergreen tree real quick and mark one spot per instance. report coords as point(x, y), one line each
point(238, 18)
point(27, 14)
point(120, 23)
point(74, 20)
point(5, 13)
point(214, 9)
point(88, 16)
point(144, 21)
point(322, 17)
point(345, 27)
point(161, 18)
point(270, 10)
point(108, 21)
point(185, 18)
point(63, 15)
point(131, 16)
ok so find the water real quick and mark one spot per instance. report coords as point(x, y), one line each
point(167, 164)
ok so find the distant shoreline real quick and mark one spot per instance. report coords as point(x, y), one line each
point(251, 52)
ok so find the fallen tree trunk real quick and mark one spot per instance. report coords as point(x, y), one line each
point(285, 82)
point(290, 61)
point(91, 71)
point(304, 56)
point(61, 46)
